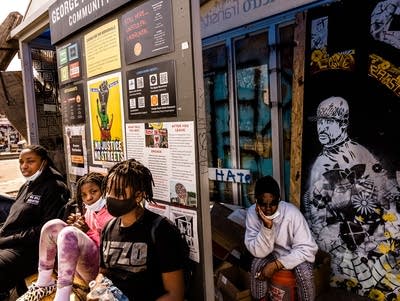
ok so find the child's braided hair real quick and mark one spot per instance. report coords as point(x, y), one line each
point(130, 173)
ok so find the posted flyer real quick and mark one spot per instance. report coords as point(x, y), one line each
point(106, 119)
point(76, 149)
point(168, 150)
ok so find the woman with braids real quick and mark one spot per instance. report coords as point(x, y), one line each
point(144, 269)
point(75, 242)
point(40, 199)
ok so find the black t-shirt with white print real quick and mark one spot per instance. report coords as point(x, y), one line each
point(134, 263)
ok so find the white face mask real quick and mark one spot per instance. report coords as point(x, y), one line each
point(96, 206)
point(36, 174)
point(275, 215)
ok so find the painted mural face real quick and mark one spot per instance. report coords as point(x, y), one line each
point(332, 119)
point(329, 130)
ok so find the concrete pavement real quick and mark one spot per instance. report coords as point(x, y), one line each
point(11, 178)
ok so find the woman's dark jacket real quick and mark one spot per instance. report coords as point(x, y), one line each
point(36, 203)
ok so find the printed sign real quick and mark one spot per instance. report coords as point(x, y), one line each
point(106, 118)
point(72, 104)
point(230, 175)
point(151, 91)
point(76, 150)
point(102, 49)
point(67, 17)
point(147, 30)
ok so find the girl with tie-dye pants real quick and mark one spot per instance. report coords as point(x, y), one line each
point(75, 243)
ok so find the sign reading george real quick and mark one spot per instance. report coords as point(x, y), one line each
point(68, 16)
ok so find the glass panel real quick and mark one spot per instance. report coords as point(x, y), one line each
point(254, 116)
point(286, 36)
point(50, 126)
point(217, 109)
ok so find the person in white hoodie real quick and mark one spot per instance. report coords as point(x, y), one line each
point(278, 237)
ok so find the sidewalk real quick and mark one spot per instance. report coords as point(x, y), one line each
point(11, 178)
point(8, 155)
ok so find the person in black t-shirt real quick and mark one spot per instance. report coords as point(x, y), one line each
point(143, 269)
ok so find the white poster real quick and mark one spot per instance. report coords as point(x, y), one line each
point(168, 150)
point(186, 221)
point(76, 149)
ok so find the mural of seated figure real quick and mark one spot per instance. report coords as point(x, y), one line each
point(352, 205)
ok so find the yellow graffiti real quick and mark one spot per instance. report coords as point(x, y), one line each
point(359, 218)
point(389, 217)
point(385, 72)
point(385, 248)
point(387, 234)
point(321, 60)
point(376, 294)
point(351, 283)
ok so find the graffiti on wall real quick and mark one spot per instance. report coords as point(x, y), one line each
point(351, 182)
point(384, 72)
point(320, 58)
point(382, 22)
point(352, 204)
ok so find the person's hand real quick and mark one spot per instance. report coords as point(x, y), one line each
point(72, 218)
point(269, 270)
point(266, 221)
point(80, 223)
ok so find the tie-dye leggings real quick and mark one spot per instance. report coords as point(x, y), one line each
point(304, 279)
point(76, 252)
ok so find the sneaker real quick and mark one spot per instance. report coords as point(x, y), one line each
point(36, 293)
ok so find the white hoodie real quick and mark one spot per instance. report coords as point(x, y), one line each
point(289, 238)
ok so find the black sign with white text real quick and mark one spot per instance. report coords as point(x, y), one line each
point(151, 91)
point(72, 104)
point(68, 16)
point(147, 30)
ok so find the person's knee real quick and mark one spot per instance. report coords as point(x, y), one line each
point(52, 225)
point(68, 233)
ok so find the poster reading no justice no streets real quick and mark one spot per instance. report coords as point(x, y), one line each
point(106, 118)
point(151, 91)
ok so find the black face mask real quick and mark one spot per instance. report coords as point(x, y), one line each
point(118, 207)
